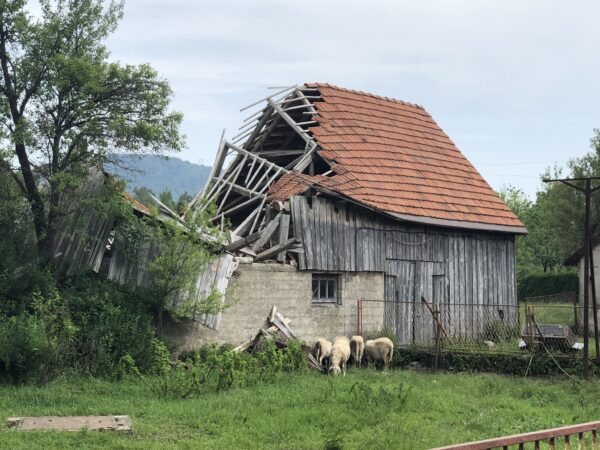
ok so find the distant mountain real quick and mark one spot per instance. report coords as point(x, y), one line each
point(159, 174)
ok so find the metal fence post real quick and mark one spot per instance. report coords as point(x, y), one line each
point(575, 313)
point(438, 335)
point(359, 306)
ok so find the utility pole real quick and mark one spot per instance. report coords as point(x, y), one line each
point(587, 191)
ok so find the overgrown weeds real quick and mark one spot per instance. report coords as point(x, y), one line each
point(89, 326)
point(219, 369)
point(364, 395)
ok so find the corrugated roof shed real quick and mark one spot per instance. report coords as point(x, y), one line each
point(392, 156)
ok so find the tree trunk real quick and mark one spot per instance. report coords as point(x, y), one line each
point(159, 323)
point(35, 202)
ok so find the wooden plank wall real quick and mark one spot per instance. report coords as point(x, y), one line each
point(83, 246)
point(214, 275)
point(128, 268)
point(81, 241)
point(478, 267)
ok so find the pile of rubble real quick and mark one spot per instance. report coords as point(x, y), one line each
point(281, 334)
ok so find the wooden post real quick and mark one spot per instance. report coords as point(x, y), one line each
point(575, 314)
point(587, 191)
point(594, 301)
point(359, 305)
point(529, 326)
point(586, 284)
point(438, 336)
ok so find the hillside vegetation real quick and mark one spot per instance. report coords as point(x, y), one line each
point(159, 174)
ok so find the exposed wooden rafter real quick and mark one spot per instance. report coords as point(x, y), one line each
point(267, 145)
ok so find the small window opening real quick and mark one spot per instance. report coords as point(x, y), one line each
point(325, 289)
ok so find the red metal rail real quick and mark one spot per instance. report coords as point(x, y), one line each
point(551, 436)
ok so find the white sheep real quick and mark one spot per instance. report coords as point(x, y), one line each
point(381, 349)
point(322, 350)
point(340, 353)
point(357, 347)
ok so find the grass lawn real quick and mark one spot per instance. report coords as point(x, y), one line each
point(304, 411)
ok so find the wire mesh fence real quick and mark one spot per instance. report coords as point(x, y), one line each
point(551, 323)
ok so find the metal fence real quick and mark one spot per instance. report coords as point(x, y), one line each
point(550, 323)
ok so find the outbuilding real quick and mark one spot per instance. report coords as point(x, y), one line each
point(346, 209)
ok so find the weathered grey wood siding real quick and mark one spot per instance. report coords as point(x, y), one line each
point(80, 242)
point(127, 267)
point(474, 268)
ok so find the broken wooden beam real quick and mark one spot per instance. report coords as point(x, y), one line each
point(284, 230)
point(267, 233)
point(280, 322)
point(273, 251)
point(70, 423)
point(242, 242)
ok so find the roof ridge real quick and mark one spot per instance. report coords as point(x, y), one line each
point(370, 94)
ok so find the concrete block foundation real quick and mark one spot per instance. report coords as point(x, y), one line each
point(260, 286)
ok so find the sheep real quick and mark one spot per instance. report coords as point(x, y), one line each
point(381, 349)
point(322, 350)
point(340, 353)
point(357, 347)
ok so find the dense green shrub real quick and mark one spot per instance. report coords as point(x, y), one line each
point(215, 369)
point(547, 283)
point(539, 365)
point(90, 326)
point(114, 324)
point(25, 348)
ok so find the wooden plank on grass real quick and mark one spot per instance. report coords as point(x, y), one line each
point(70, 423)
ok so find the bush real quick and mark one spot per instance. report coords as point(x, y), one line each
point(548, 283)
point(113, 324)
point(90, 326)
point(215, 369)
point(540, 365)
point(25, 348)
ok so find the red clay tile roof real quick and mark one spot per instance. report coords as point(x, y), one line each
point(136, 205)
point(292, 183)
point(391, 155)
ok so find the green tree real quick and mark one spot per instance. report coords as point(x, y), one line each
point(554, 220)
point(174, 254)
point(563, 206)
point(166, 197)
point(144, 196)
point(516, 200)
point(542, 249)
point(19, 273)
point(183, 201)
point(64, 106)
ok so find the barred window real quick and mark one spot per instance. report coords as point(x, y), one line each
point(325, 289)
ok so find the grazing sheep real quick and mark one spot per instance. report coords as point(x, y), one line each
point(381, 349)
point(357, 348)
point(322, 350)
point(340, 353)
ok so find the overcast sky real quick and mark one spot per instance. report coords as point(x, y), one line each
point(515, 84)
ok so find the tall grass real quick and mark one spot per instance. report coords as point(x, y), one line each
point(365, 410)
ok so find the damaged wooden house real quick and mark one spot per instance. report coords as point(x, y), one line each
point(335, 196)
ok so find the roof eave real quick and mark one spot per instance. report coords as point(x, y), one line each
point(429, 220)
point(460, 224)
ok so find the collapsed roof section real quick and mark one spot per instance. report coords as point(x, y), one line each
point(380, 153)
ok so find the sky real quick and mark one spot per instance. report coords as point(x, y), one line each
point(515, 84)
